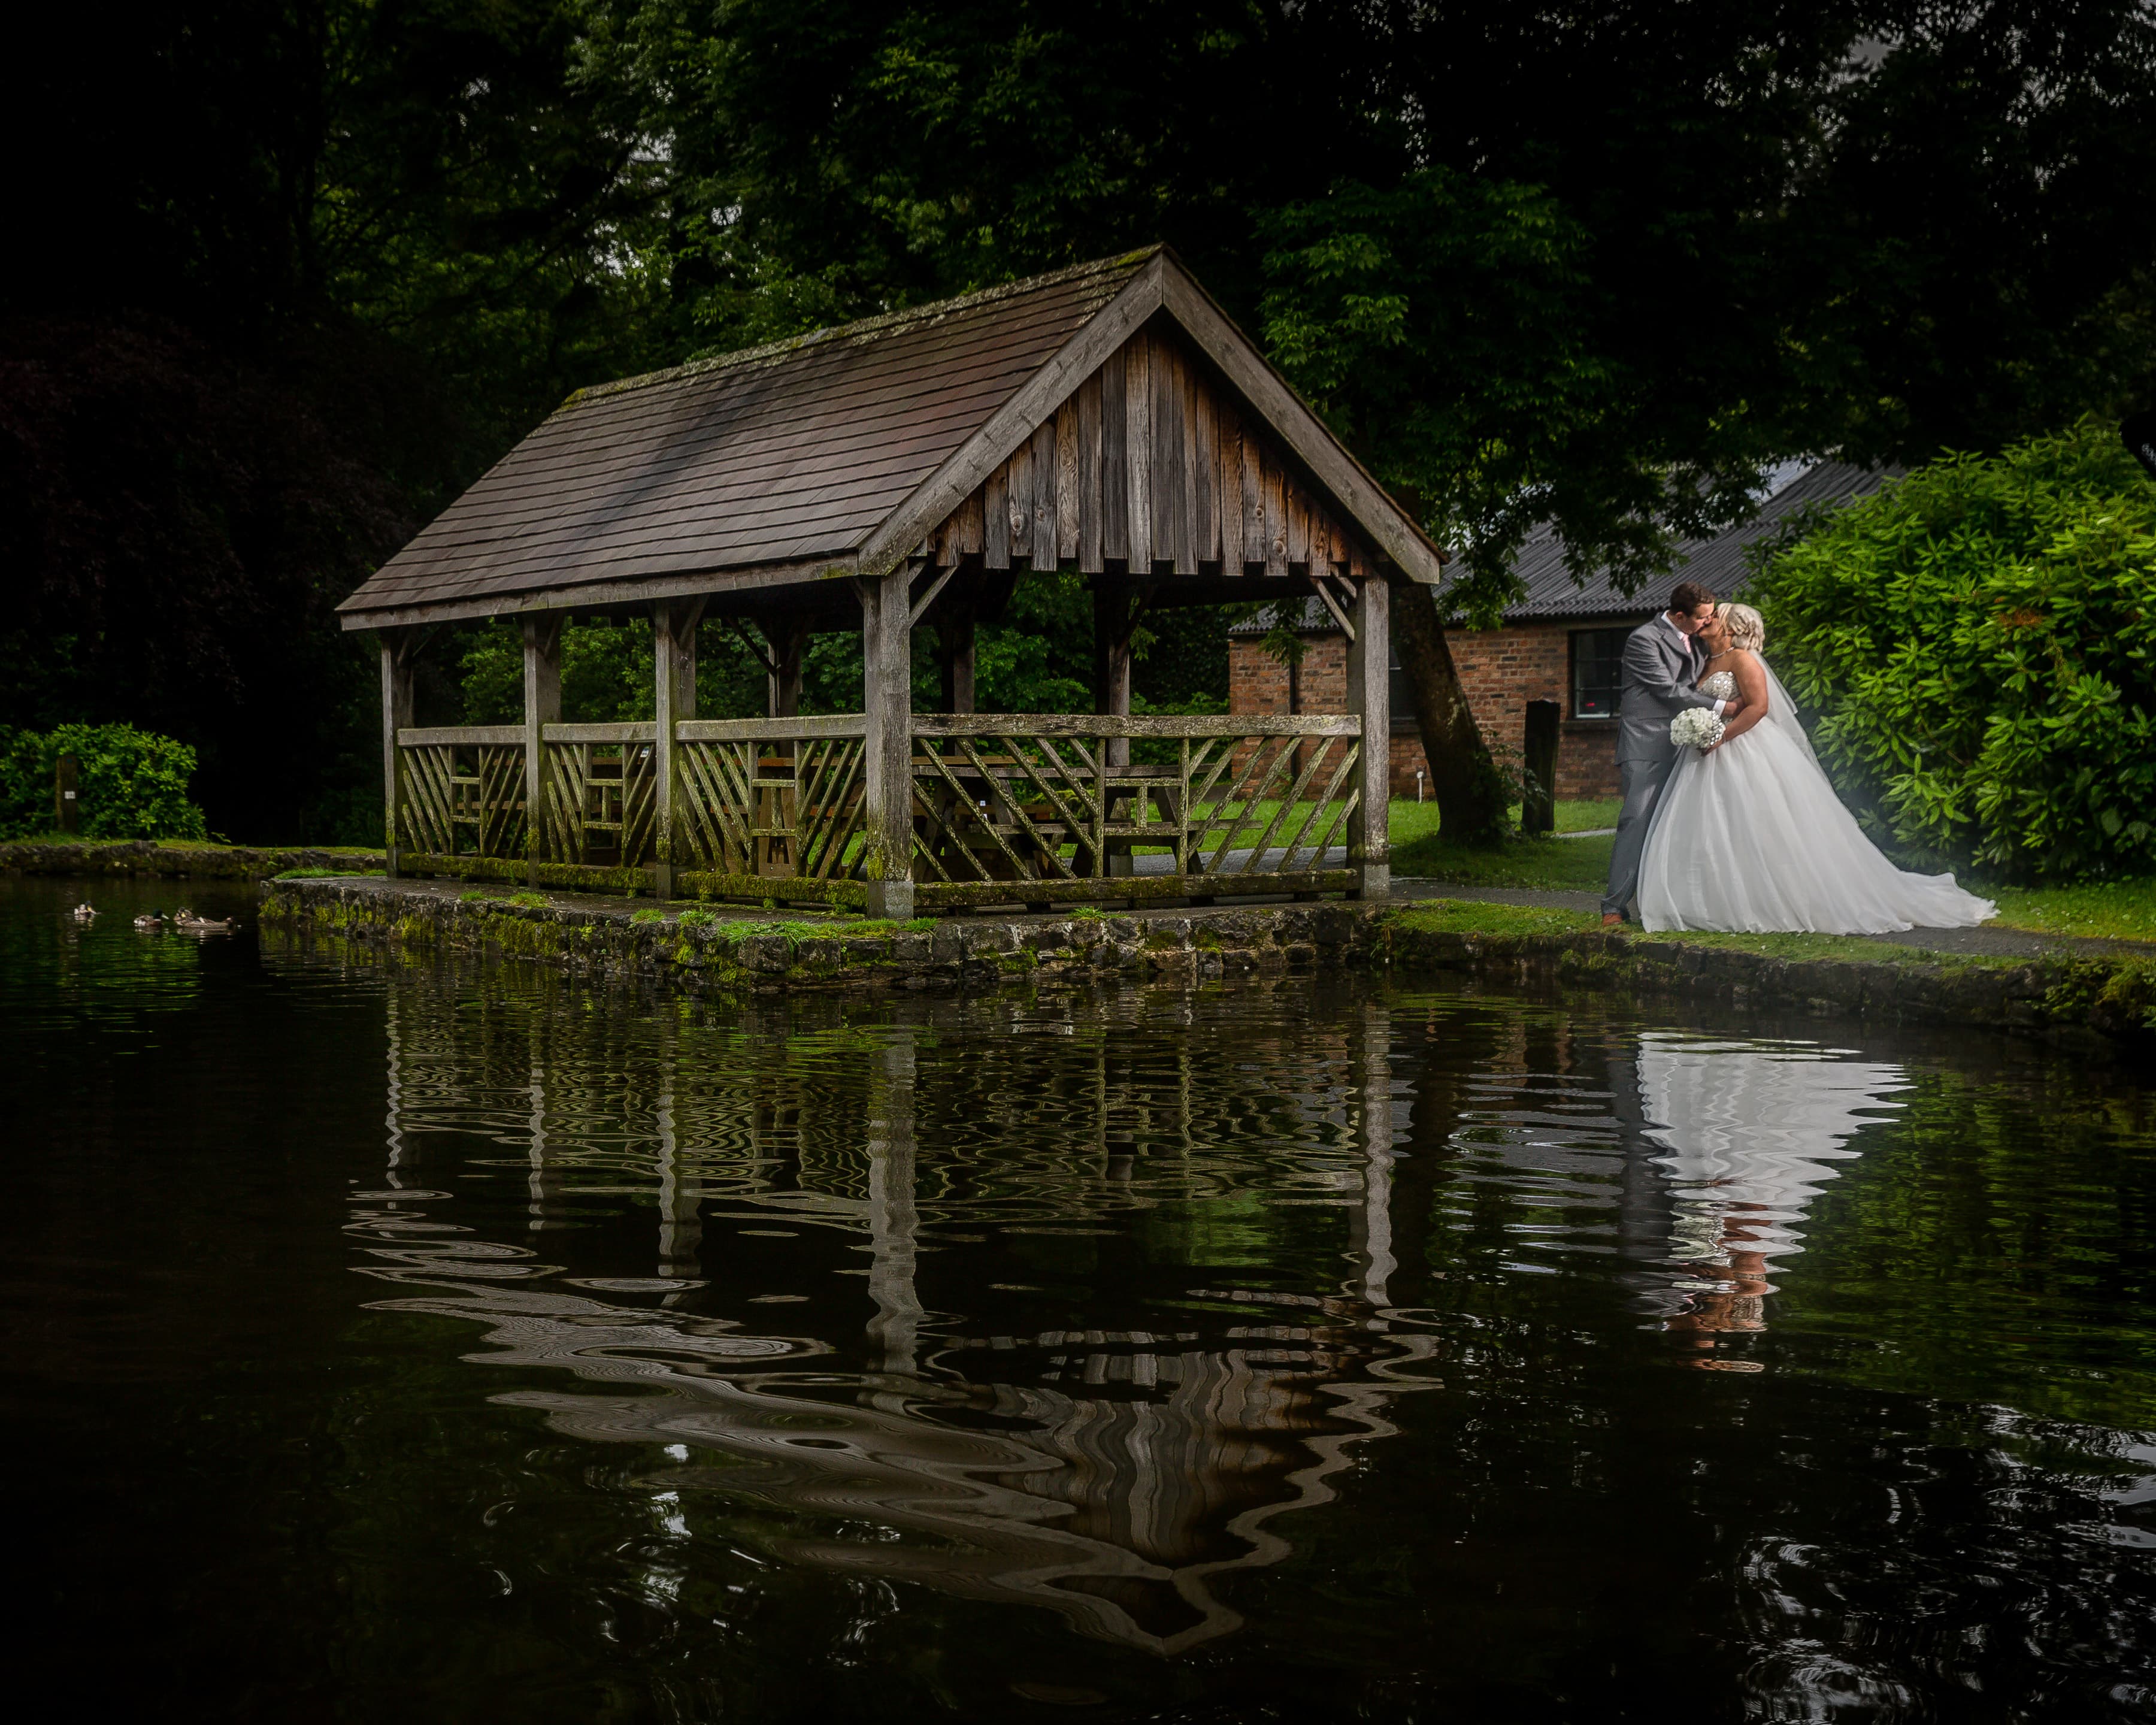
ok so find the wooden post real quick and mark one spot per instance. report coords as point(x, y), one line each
point(674, 669)
point(1370, 699)
point(67, 807)
point(955, 649)
point(542, 706)
point(1538, 810)
point(400, 652)
point(1370, 1230)
point(1111, 698)
point(894, 1209)
point(782, 684)
point(1112, 658)
point(887, 704)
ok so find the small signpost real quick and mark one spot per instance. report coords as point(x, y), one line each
point(67, 808)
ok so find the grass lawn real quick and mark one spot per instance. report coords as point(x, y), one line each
point(1552, 865)
point(2109, 909)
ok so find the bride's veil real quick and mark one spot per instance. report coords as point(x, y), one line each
point(1782, 710)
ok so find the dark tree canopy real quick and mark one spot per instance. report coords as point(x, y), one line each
point(298, 272)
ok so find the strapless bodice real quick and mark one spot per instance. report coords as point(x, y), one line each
point(1722, 686)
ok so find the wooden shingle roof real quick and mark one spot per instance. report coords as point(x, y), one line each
point(836, 453)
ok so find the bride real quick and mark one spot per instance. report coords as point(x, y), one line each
point(1749, 836)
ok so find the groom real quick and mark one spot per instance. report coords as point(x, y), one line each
point(1663, 660)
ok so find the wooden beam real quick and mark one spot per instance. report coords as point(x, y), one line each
point(1370, 699)
point(542, 706)
point(1325, 592)
point(887, 707)
point(709, 584)
point(1145, 724)
point(920, 606)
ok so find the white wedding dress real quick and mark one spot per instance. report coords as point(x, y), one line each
point(1752, 840)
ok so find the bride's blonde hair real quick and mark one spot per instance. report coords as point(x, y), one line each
point(1747, 629)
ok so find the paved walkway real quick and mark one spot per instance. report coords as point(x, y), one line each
point(1986, 942)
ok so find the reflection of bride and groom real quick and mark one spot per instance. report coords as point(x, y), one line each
point(1746, 835)
point(1749, 1133)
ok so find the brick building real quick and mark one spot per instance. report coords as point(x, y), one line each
point(1560, 641)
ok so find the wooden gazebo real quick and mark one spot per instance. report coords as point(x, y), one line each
point(899, 473)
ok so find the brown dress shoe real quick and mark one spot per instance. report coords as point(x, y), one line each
point(1610, 919)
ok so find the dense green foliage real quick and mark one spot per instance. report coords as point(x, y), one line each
point(130, 783)
point(302, 272)
point(1978, 645)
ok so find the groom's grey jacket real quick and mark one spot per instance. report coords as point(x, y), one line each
point(1659, 668)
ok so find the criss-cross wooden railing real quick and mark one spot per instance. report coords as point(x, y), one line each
point(462, 791)
point(1039, 806)
point(601, 807)
point(1030, 808)
point(769, 807)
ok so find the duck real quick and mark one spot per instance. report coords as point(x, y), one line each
point(148, 919)
point(187, 919)
point(84, 911)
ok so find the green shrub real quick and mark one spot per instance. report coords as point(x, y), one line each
point(530, 901)
point(1975, 648)
point(130, 783)
point(646, 915)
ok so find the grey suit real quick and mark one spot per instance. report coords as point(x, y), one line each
point(1659, 668)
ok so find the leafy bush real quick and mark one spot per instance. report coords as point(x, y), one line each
point(130, 783)
point(1975, 645)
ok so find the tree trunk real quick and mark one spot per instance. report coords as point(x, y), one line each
point(1471, 802)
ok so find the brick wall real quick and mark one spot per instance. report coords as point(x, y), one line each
point(1502, 670)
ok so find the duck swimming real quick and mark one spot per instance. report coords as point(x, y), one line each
point(187, 919)
point(148, 919)
point(84, 911)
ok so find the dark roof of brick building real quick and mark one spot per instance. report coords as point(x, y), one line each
point(1552, 594)
point(1719, 562)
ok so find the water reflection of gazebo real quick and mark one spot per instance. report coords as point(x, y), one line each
point(1107, 1474)
point(902, 473)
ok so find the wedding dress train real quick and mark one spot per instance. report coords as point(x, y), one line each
point(1752, 839)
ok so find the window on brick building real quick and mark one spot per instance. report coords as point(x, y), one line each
point(1401, 693)
point(1598, 656)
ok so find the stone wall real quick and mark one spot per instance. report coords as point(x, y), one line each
point(699, 951)
point(2105, 1004)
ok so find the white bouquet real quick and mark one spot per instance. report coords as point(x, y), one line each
point(1696, 727)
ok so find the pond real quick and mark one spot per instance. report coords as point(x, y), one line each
point(434, 1340)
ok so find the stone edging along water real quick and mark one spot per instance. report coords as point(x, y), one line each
point(2100, 1002)
point(173, 861)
